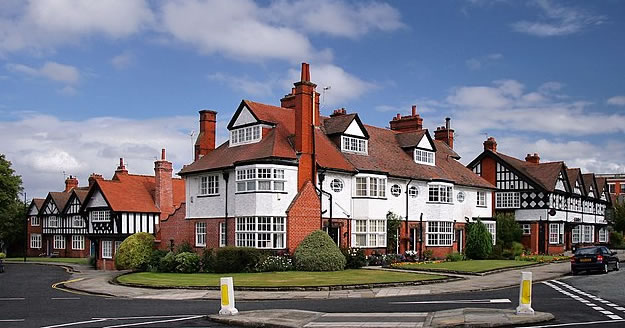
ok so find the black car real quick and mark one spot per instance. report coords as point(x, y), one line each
point(596, 258)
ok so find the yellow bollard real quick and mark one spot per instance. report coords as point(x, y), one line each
point(226, 287)
point(525, 294)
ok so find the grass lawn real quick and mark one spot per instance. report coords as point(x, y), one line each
point(73, 260)
point(274, 279)
point(474, 266)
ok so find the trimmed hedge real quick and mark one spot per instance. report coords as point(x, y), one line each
point(232, 259)
point(318, 252)
point(135, 252)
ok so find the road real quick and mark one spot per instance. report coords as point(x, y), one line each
point(27, 299)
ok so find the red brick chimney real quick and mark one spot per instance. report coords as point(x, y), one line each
point(490, 144)
point(163, 191)
point(408, 123)
point(306, 101)
point(121, 169)
point(93, 177)
point(533, 158)
point(205, 142)
point(338, 112)
point(445, 133)
point(71, 183)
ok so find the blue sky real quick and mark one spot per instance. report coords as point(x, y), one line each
point(84, 83)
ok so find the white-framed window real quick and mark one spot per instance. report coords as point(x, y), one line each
point(439, 233)
point(267, 232)
point(440, 193)
point(508, 199)
point(34, 221)
point(371, 187)
point(603, 235)
point(117, 244)
point(492, 228)
point(78, 242)
point(526, 228)
point(589, 234)
point(35, 240)
point(336, 185)
point(200, 234)
point(369, 233)
point(556, 233)
point(461, 196)
point(424, 157)
point(576, 234)
point(246, 135)
point(59, 242)
point(395, 190)
point(107, 249)
point(260, 179)
point(53, 221)
point(209, 185)
point(612, 187)
point(481, 198)
point(100, 216)
point(356, 145)
point(77, 221)
point(222, 234)
point(413, 191)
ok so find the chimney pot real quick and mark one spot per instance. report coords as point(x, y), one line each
point(490, 144)
point(71, 183)
point(122, 167)
point(533, 158)
point(205, 142)
point(414, 110)
point(163, 154)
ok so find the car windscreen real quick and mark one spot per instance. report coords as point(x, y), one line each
point(587, 251)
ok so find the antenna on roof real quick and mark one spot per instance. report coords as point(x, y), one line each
point(323, 94)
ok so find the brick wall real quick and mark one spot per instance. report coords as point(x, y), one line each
point(35, 230)
point(303, 216)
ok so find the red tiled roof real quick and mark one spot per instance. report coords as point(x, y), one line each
point(589, 181)
point(135, 193)
point(337, 124)
point(38, 202)
point(573, 174)
point(543, 174)
point(60, 199)
point(328, 154)
point(81, 193)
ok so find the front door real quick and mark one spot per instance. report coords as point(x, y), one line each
point(541, 238)
point(334, 233)
point(92, 251)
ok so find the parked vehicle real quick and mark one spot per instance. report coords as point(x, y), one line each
point(596, 258)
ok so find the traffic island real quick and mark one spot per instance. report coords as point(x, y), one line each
point(464, 317)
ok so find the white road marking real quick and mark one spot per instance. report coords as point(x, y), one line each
point(12, 299)
point(157, 321)
point(395, 314)
point(64, 298)
point(150, 317)
point(74, 323)
point(603, 311)
point(583, 323)
point(11, 320)
point(500, 300)
point(365, 324)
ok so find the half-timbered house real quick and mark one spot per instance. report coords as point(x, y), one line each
point(34, 229)
point(558, 207)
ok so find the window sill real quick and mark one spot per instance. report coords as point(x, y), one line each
point(450, 245)
point(369, 197)
point(261, 192)
point(201, 246)
point(107, 258)
point(441, 203)
point(204, 196)
point(481, 206)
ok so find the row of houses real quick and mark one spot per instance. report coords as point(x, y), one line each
point(286, 171)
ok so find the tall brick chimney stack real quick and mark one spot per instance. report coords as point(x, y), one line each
point(71, 183)
point(205, 142)
point(533, 158)
point(490, 144)
point(409, 123)
point(306, 106)
point(121, 169)
point(93, 177)
point(445, 133)
point(163, 191)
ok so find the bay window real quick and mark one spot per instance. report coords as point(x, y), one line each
point(261, 232)
point(371, 187)
point(439, 233)
point(369, 233)
point(440, 193)
point(99, 216)
point(260, 179)
point(246, 135)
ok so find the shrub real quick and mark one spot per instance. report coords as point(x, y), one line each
point(428, 255)
point(187, 262)
point(355, 258)
point(479, 242)
point(167, 263)
point(184, 247)
point(616, 240)
point(411, 256)
point(454, 257)
point(2, 256)
point(92, 261)
point(155, 259)
point(508, 230)
point(318, 252)
point(134, 253)
point(207, 261)
point(384, 259)
point(393, 222)
point(236, 259)
point(275, 263)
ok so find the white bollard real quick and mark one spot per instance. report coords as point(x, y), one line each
point(227, 297)
point(525, 294)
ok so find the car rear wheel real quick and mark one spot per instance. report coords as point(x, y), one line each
point(617, 266)
point(606, 269)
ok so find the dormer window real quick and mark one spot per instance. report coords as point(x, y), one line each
point(245, 135)
point(424, 157)
point(354, 145)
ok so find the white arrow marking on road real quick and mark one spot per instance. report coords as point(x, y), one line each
point(493, 301)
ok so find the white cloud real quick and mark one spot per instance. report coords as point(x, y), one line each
point(51, 70)
point(245, 84)
point(40, 25)
point(557, 20)
point(477, 63)
point(616, 100)
point(122, 60)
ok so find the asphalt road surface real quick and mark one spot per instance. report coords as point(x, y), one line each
point(27, 299)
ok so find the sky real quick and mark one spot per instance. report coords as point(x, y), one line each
point(83, 83)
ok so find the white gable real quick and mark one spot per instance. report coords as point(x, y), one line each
point(51, 208)
point(425, 143)
point(560, 183)
point(33, 211)
point(354, 129)
point(245, 117)
point(97, 200)
point(577, 190)
point(591, 193)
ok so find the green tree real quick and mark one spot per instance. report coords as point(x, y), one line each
point(12, 212)
point(393, 222)
point(616, 216)
point(318, 252)
point(135, 252)
point(508, 230)
point(479, 241)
